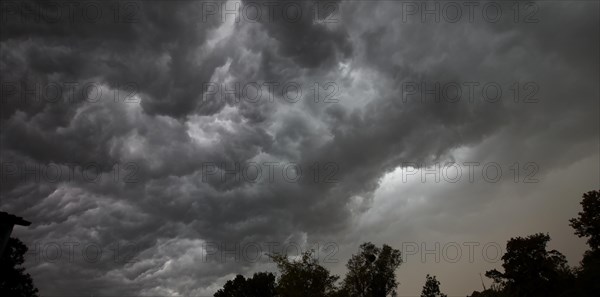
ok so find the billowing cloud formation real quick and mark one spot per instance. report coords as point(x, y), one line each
point(125, 130)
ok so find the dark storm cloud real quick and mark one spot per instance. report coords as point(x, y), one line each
point(153, 45)
point(295, 25)
point(171, 131)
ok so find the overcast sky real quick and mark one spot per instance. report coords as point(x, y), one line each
point(160, 147)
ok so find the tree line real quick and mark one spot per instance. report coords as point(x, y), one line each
point(529, 270)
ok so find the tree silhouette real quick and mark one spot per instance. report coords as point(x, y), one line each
point(371, 272)
point(432, 288)
point(262, 284)
point(494, 291)
point(531, 270)
point(304, 277)
point(587, 224)
point(14, 281)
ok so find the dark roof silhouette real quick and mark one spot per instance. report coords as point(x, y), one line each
point(7, 218)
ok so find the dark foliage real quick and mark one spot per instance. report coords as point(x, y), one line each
point(262, 284)
point(432, 288)
point(371, 272)
point(304, 277)
point(531, 270)
point(14, 281)
point(587, 224)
